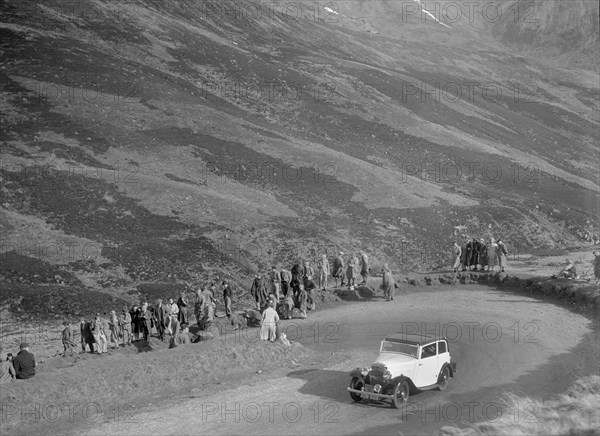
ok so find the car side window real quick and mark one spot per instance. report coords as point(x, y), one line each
point(441, 347)
point(428, 351)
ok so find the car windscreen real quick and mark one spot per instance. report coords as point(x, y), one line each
point(399, 347)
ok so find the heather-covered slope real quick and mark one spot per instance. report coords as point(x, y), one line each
point(171, 142)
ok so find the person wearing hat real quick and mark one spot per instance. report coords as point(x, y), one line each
point(364, 267)
point(98, 331)
point(67, 339)
point(388, 283)
point(457, 256)
point(275, 278)
point(286, 278)
point(323, 272)
point(338, 269)
point(7, 370)
point(125, 325)
point(182, 306)
point(302, 302)
point(86, 336)
point(227, 294)
point(483, 255)
point(270, 318)
point(492, 255)
point(114, 329)
point(159, 317)
point(501, 252)
point(259, 291)
point(24, 363)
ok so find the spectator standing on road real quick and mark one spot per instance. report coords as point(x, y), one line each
point(114, 329)
point(275, 279)
point(67, 339)
point(125, 324)
point(501, 252)
point(159, 315)
point(289, 306)
point(302, 301)
point(308, 272)
point(364, 267)
point(259, 291)
point(483, 255)
point(492, 255)
point(24, 363)
point(97, 328)
point(351, 271)
point(468, 252)
point(227, 295)
point(457, 256)
point(286, 278)
point(387, 283)
point(182, 308)
point(86, 335)
point(270, 319)
point(338, 269)
point(323, 271)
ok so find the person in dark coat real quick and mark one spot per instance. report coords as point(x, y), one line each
point(475, 254)
point(135, 324)
point(86, 336)
point(67, 339)
point(24, 363)
point(338, 269)
point(259, 291)
point(182, 304)
point(468, 254)
point(483, 255)
point(159, 315)
point(227, 297)
point(296, 279)
point(286, 278)
point(145, 321)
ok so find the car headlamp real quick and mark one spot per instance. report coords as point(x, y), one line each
point(364, 370)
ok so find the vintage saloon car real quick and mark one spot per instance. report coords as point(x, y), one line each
point(406, 362)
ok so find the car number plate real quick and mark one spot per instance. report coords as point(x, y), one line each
point(369, 389)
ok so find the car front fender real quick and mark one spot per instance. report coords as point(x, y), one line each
point(355, 373)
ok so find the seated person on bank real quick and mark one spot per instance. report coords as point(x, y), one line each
point(569, 271)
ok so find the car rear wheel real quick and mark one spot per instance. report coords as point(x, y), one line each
point(444, 378)
point(401, 393)
point(356, 383)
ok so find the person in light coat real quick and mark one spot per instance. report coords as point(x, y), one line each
point(387, 284)
point(501, 253)
point(323, 272)
point(270, 318)
point(457, 257)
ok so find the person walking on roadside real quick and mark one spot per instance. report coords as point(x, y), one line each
point(338, 269)
point(387, 284)
point(24, 363)
point(302, 302)
point(323, 272)
point(457, 257)
point(501, 252)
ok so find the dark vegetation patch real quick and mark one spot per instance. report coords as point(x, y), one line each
point(47, 302)
point(19, 269)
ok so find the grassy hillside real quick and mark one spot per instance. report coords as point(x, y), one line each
point(176, 142)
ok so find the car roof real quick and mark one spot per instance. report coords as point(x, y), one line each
point(411, 338)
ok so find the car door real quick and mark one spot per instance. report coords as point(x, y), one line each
point(427, 366)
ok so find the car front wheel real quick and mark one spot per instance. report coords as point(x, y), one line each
point(401, 393)
point(356, 383)
point(444, 378)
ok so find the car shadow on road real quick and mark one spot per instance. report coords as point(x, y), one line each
point(331, 385)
